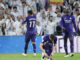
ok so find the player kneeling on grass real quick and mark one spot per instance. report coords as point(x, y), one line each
point(48, 46)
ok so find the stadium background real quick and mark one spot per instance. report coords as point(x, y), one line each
point(12, 42)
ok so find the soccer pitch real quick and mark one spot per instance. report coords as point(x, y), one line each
point(18, 56)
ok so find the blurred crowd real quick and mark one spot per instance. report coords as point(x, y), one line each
point(48, 16)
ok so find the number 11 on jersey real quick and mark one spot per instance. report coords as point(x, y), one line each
point(32, 24)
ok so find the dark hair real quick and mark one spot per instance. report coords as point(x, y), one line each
point(52, 36)
point(30, 12)
point(10, 7)
point(14, 7)
point(23, 2)
point(50, 16)
point(77, 10)
point(76, 4)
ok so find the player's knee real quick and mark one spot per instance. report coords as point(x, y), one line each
point(65, 45)
point(33, 42)
point(65, 42)
point(71, 38)
point(27, 43)
point(25, 48)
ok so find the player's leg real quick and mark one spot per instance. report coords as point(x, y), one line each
point(65, 44)
point(33, 37)
point(26, 46)
point(71, 47)
point(49, 54)
point(43, 56)
point(71, 44)
point(27, 39)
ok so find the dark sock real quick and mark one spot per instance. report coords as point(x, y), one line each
point(26, 47)
point(71, 46)
point(43, 57)
point(65, 47)
point(34, 48)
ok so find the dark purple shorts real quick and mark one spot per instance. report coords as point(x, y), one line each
point(68, 35)
point(49, 53)
point(30, 36)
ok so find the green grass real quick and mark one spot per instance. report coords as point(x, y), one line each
point(18, 56)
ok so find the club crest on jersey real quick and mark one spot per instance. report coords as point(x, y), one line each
point(67, 21)
point(45, 42)
point(65, 18)
point(70, 18)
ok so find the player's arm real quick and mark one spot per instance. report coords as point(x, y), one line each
point(30, 7)
point(24, 21)
point(61, 23)
point(42, 44)
point(74, 23)
point(54, 47)
point(52, 54)
point(41, 47)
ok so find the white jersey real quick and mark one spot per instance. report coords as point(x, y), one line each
point(51, 27)
point(17, 26)
point(8, 25)
point(15, 14)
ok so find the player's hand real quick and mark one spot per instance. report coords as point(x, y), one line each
point(52, 54)
point(24, 16)
point(76, 34)
point(63, 28)
point(27, 4)
point(46, 54)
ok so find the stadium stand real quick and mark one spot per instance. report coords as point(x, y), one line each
point(12, 12)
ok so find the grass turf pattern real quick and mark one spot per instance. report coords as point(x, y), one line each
point(19, 56)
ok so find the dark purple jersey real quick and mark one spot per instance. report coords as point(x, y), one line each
point(47, 43)
point(68, 21)
point(31, 24)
